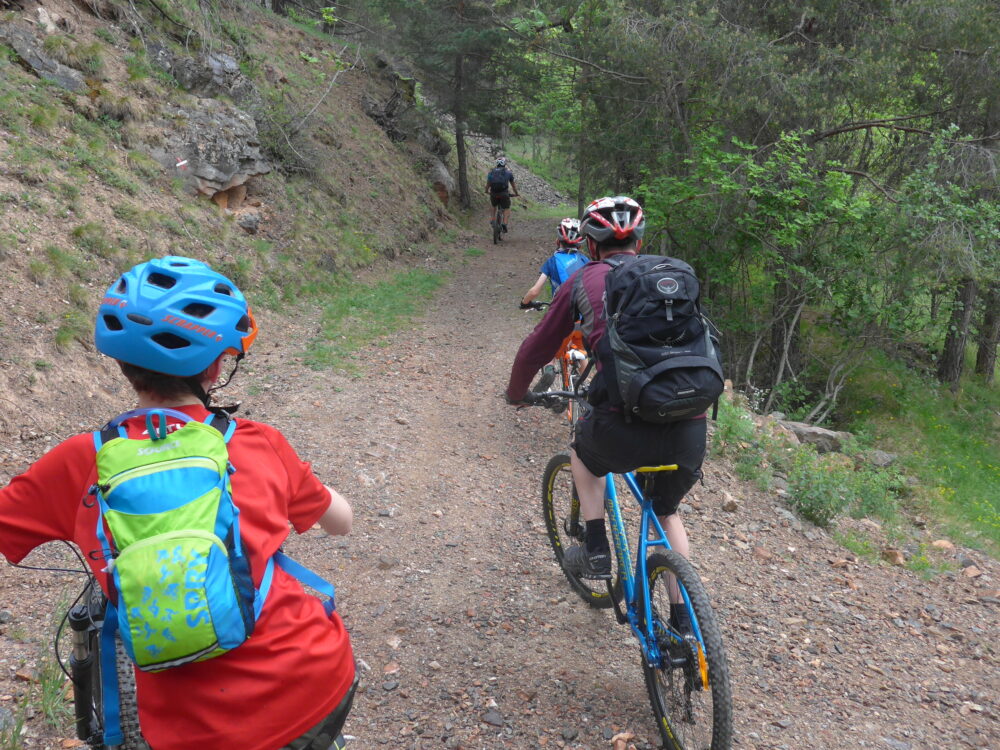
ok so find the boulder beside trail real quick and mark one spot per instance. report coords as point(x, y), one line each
point(825, 441)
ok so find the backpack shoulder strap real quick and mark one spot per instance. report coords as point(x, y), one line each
point(157, 429)
point(225, 425)
point(309, 578)
point(577, 290)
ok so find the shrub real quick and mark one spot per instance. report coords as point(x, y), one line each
point(819, 487)
point(92, 238)
point(74, 326)
point(87, 58)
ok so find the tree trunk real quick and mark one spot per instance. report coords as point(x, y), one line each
point(952, 360)
point(989, 335)
point(464, 197)
point(785, 350)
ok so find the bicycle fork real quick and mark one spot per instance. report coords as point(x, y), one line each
point(81, 665)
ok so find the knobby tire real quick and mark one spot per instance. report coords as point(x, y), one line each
point(497, 224)
point(561, 507)
point(129, 710)
point(688, 716)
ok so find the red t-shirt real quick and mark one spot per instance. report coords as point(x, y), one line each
point(295, 668)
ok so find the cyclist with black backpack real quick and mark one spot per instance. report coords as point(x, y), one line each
point(655, 377)
point(499, 186)
point(181, 511)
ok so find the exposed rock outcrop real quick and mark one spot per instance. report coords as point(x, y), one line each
point(29, 51)
point(213, 145)
point(442, 180)
point(211, 75)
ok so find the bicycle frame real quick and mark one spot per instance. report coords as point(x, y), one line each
point(631, 574)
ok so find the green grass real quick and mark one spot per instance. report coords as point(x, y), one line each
point(859, 544)
point(360, 314)
point(11, 737)
point(474, 252)
point(949, 442)
point(92, 238)
point(543, 211)
point(73, 326)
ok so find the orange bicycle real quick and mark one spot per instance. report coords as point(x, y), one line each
point(570, 367)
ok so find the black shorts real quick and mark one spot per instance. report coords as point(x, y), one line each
point(500, 199)
point(606, 443)
point(326, 734)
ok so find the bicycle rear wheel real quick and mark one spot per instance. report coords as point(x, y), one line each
point(690, 694)
point(497, 225)
point(565, 527)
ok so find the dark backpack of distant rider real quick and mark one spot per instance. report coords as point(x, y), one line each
point(659, 357)
point(498, 180)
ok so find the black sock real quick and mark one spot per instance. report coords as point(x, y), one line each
point(597, 537)
point(679, 617)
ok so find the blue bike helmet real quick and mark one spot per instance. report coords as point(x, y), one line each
point(173, 315)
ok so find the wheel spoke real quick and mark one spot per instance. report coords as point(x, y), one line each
point(690, 692)
point(561, 511)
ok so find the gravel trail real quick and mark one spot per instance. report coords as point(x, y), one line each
point(466, 632)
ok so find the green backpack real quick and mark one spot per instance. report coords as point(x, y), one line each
point(179, 581)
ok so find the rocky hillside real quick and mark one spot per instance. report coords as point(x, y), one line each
point(230, 135)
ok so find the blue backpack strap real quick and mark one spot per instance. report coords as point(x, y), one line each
point(224, 425)
point(109, 678)
point(308, 578)
point(265, 587)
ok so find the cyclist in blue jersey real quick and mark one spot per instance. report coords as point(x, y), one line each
point(562, 263)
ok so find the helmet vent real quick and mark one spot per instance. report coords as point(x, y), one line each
point(113, 323)
point(122, 286)
point(161, 280)
point(224, 289)
point(170, 341)
point(198, 310)
point(244, 325)
point(140, 319)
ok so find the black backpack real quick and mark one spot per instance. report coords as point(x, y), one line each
point(497, 180)
point(660, 360)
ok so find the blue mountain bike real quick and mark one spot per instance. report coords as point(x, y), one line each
point(686, 672)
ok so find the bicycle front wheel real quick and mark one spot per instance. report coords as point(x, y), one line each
point(565, 527)
point(690, 693)
point(128, 716)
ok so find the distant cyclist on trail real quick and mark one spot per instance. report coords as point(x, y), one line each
point(499, 184)
point(605, 441)
point(171, 324)
point(562, 263)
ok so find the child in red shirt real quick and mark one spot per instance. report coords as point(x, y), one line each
point(170, 323)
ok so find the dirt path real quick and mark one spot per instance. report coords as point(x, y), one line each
point(472, 638)
point(466, 631)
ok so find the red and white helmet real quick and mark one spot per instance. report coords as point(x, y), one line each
point(569, 232)
point(618, 218)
